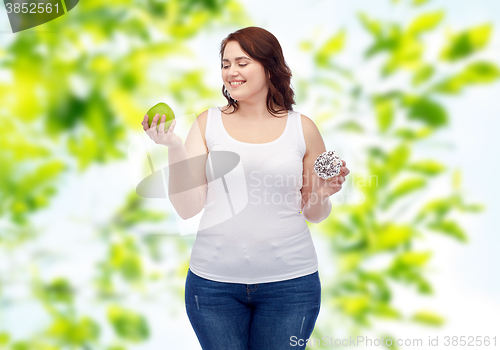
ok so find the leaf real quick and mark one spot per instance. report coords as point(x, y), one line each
point(407, 54)
point(305, 45)
point(329, 83)
point(412, 258)
point(351, 126)
point(385, 310)
point(74, 332)
point(410, 275)
point(47, 172)
point(375, 284)
point(59, 290)
point(385, 112)
point(428, 167)
point(126, 258)
point(407, 186)
point(450, 228)
point(128, 324)
point(391, 341)
point(398, 158)
point(134, 217)
point(391, 236)
point(480, 72)
point(353, 304)
point(425, 22)
point(332, 46)
point(437, 207)
point(472, 208)
point(422, 74)
point(373, 26)
point(403, 188)
point(424, 287)
point(467, 42)
point(419, 2)
point(21, 345)
point(349, 261)
point(428, 317)
point(377, 152)
point(412, 135)
point(4, 338)
point(426, 110)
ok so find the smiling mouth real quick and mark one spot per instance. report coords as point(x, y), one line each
point(237, 83)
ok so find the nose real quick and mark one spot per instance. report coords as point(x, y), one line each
point(232, 71)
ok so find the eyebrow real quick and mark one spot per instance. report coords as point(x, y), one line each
point(236, 59)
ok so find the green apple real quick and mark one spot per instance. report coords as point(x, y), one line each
point(161, 109)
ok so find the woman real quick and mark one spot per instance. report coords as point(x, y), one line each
point(253, 280)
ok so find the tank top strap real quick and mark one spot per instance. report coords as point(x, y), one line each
point(298, 132)
point(211, 130)
point(215, 132)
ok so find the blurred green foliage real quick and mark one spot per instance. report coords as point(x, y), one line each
point(75, 98)
point(78, 87)
point(405, 117)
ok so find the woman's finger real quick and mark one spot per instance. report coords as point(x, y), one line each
point(339, 179)
point(155, 121)
point(162, 124)
point(339, 186)
point(172, 126)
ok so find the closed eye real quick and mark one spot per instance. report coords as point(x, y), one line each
point(241, 65)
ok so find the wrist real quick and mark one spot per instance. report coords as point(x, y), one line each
point(175, 146)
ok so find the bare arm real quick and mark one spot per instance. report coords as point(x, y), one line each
point(185, 182)
point(315, 207)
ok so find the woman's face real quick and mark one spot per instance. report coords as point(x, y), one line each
point(247, 75)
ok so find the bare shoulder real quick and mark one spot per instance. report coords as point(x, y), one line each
point(312, 136)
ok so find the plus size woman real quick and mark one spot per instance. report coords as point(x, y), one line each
point(253, 279)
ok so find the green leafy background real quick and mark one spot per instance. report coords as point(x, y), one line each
point(405, 91)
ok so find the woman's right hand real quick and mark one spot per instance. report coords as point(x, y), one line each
point(161, 137)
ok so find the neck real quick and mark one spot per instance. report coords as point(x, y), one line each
point(247, 109)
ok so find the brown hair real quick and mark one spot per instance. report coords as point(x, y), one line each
point(263, 47)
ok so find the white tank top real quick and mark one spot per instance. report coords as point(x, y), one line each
point(253, 231)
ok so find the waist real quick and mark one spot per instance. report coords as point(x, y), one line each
point(233, 251)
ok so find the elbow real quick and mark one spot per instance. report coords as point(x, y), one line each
point(186, 213)
point(318, 217)
point(192, 214)
point(313, 221)
point(186, 217)
point(183, 217)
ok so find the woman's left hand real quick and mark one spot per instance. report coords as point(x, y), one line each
point(325, 188)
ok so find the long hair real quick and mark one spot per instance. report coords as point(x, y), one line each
point(263, 47)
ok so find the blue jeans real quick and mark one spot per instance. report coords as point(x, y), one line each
point(264, 316)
